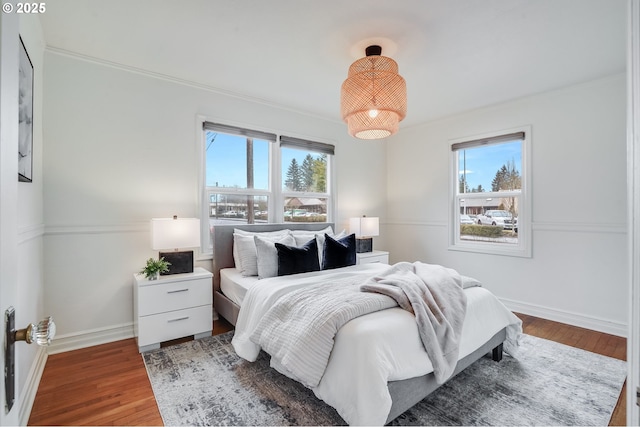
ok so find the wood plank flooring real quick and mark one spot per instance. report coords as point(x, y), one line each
point(108, 384)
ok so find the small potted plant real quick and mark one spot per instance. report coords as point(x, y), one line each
point(154, 268)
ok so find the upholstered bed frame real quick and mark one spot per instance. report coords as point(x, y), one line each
point(404, 393)
point(222, 237)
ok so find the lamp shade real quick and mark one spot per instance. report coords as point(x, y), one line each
point(366, 226)
point(174, 233)
point(373, 98)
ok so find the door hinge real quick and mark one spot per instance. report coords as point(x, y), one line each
point(638, 396)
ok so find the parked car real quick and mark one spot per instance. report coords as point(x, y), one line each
point(500, 218)
point(466, 219)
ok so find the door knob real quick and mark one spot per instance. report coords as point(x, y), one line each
point(41, 334)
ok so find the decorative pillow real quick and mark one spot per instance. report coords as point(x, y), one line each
point(303, 236)
point(293, 260)
point(339, 253)
point(268, 255)
point(247, 259)
point(238, 232)
point(320, 240)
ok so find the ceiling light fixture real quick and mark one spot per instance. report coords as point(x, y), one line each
point(374, 96)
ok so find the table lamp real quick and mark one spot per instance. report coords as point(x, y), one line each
point(364, 228)
point(176, 233)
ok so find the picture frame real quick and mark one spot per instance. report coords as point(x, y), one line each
point(25, 116)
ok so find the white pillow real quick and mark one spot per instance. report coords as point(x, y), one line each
point(237, 233)
point(267, 254)
point(303, 236)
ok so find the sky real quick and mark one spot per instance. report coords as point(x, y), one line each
point(226, 160)
point(483, 162)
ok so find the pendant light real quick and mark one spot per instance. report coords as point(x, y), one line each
point(374, 96)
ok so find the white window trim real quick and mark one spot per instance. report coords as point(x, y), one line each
point(330, 195)
point(276, 197)
point(523, 247)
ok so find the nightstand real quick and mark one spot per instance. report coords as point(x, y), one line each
point(173, 306)
point(374, 256)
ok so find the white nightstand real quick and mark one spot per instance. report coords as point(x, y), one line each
point(374, 256)
point(171, 307)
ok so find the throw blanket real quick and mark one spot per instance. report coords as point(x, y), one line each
point(434, 294)
point(298, 330)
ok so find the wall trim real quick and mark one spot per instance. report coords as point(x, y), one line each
point(28, 394)
point(30, 232)
point(584, 227)
point(562, 316)
point(143, 227)
point(91, 337)
point(405, 222)
point(568, 227)
point(68, 229)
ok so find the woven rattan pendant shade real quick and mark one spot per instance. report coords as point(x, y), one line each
point(373, 97)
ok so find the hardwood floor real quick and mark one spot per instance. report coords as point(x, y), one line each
point(108, 384)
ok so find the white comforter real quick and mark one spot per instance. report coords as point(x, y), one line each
point(375, 348)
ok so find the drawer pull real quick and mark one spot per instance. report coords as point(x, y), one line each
point(178, 319)
point(178, 290)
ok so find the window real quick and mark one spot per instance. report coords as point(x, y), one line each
point(490, 204)
point(252, 176)
point(305, 179)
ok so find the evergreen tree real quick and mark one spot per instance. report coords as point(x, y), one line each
point(294, 176)
point(320, 173)
point(463, 186)
point(307, 173)
point(507, 178)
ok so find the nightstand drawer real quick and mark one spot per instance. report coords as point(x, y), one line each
point(373, 257)
point(174, 296)
point(174, 324)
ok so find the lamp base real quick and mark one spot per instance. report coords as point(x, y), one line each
point(181, 261)
point(364, 245)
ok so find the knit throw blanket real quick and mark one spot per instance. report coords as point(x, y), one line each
point(434, 294)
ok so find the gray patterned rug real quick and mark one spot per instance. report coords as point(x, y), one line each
point(204, 382)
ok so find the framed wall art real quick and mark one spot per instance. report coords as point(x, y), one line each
point(25, 116)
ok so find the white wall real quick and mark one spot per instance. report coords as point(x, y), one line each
point(120, 149)
point(577, 272)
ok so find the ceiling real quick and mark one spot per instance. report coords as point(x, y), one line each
point(455, 55)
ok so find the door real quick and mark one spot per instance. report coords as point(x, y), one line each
point(633, 181)
point(9, 27)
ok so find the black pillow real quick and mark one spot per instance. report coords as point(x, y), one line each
point(339, 253)
point(293, 260)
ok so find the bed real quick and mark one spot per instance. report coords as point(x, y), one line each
point(348, 385)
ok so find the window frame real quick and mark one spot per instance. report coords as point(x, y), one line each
point(317, 147)
point(275, 192)
point(523, 247)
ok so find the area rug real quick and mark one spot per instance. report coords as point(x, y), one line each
point(203, 382)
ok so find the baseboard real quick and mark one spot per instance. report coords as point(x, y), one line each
point(588, 322)
point(90, 338)
point(28, 394)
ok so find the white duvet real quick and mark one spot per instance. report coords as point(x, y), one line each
point(375, 348)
